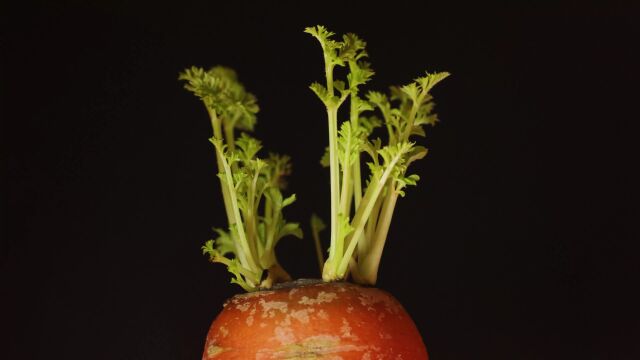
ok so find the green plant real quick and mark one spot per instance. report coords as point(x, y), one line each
point(362, 203)
point(251, 186)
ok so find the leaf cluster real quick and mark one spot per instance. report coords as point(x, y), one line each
point(252, 186)
point(221, 92)
point(361, 217)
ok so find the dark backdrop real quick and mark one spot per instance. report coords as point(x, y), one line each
point(518, 243)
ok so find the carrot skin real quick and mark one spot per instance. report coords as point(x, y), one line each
point(314, 321)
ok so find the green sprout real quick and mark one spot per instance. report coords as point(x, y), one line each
point(361, 213)
point(367, 174)
point(251, 186)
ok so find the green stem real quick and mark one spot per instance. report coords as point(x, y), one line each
point(271, 234)
point(252, 228)
point(357, 181)
point(371, 261)
point(370, 229)
point(386, 115)
point(359, 220)
point(243, 271)
point(217, 133)
point(228, 134)
point(356, 178)
point(230, 138)
point(332, 118)
point(345, 193)
point(247, 258)
point(412, 116)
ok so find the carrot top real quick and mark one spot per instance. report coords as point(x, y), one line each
point(362, 202)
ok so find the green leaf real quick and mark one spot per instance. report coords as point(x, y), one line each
point(411, 91)
point(360, 72)
point(428, 81)
point(361, 105)
point(321, 92)
point(404, 181)
point(418, 131)
point(372, 147)
point(221, 91)
point(249, 146)
point(288, 201)
point(378, 99)
point(340, 86)
point(390, 152)
point(316, 223)
point(321, 33)
point(353, 48)
point(279, 167)
point(207, 248)
point(349, 143)
point(224, 243)
point(325, 160)
point(344, 227)
point(275, 196)
point(329, 46)
point(369, 124)
point(292, 229)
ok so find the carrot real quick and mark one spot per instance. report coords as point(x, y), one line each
point(330, 319)
point(314, 320)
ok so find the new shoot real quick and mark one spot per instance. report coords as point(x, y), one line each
point(251, 186)
point(362, 205)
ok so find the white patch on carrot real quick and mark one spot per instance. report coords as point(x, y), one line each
point(323, 314)
point(323, 297)
point(302, 315)
point(269, 308)
point(243, 307)
point(286, 321)
point(325, 344)
point(251, 295)
point(249, 320)
point(214, 350)
point(224, 331)
point(284, 335)
point(345, 330)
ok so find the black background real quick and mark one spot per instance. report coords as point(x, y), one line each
point(520, 241)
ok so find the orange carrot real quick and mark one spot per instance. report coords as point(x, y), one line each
point(318, 320)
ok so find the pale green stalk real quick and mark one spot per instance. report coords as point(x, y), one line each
point(332, 118)
point(354, 116)
point(412, 117)
point(357, 181)
point(246, 256)
point(371, 260)
point(272, 231)
point(228, 134)
point(370, 228)
point(359, 220)
point(345, 193)
point(250, 220)
point(217, 133)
